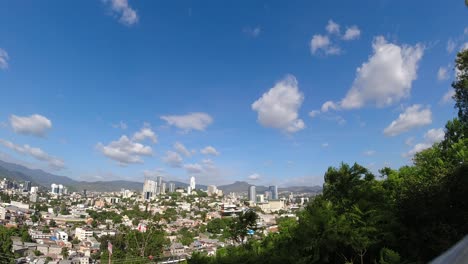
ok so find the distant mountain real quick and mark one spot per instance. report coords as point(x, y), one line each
point(302, 189)
point(39, 177)
point(242, 186)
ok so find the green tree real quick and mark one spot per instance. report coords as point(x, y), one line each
point(64, 252)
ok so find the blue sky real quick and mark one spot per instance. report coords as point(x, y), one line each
point(269, 92)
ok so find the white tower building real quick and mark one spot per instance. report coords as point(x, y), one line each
point(192, 183)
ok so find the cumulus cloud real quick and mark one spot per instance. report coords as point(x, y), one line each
point(145, 133)
point(194, 168)
point(36, 125)
point(369, 153)
point(252, 31)
point(254, 177)
point(173, 159)
point(278, 108)
point(409, 141)
point(386, 77)
point(314, 113)
point(322, 43)
point(37, 153)
point(442, 74)
point(352, 33)
point(430, 137)
point(127, 15)
point(154, 173)
point(122, 125)
point(332, 27)
point(181, 149)
point(328, 105)
point(125, 151)
point(3, 59)
point(448, 96)
point(451, 45)
point(209, 150)
point(188, 122)
point(413, 116)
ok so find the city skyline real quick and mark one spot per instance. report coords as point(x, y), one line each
point(224, 93)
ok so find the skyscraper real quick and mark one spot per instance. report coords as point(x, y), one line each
point(159, 188)
point(162, 190)
point(252, 194)
point(149, 188)
point(171, 187)
point(27, 186)
point(192, 183)
point(274, 192)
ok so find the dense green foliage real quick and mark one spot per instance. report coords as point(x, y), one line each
point(409, 215)
point(135, 245)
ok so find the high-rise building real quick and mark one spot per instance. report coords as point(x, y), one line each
point(171, 187)
point(212, 190)
point(54, 188)
point(163, 188)
point(274, 192)
point(150, 188)
point(192, 183)
point(159, 188)
point(27, 186)
point(252, 194)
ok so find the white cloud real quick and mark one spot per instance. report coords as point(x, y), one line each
point(430, 137)
point(173, 159)
point(332, 27)
point(3, 59)
point(145, 133)
point(413, 116)
point(209, 150)
point(37, 153)
point(181, 149)
point(125, 151)
point(325, 145)
point(434, 135)
point(320, 42)
point(448, 96)
point(254, 177)
point(252, 31)
point(369, 153)
point(278, 108)
point(314, 113)
point(121, 125)
point(36, 125)
point(194, 168)
point(127, 15)
point(442, 74)
point(188, 122)
point(409, 141)
point(464, 46)
point(154, 173)
point(451, 46)
point(386, 77)
point(352, 33)
point(328, 105)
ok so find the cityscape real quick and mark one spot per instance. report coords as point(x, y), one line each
point(233, 132)
point(73, 229)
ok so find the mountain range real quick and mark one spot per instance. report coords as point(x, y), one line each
point(44, 179)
